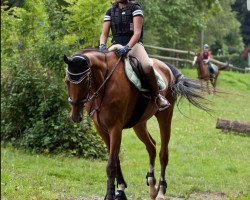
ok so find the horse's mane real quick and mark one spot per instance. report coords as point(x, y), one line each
point(89, 49)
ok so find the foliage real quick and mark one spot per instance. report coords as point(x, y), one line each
point(84, 19)
point(35, 114)
point(172, 23)
point(243, 15)
point(234, 59)
point(34, 105)
point(224, 29)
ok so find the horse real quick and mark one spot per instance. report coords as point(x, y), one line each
point(97, 82)
point(206, 74)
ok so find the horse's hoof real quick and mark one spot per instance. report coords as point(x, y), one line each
point(109, 197)
point(159, 198)
point(120, 195)
point(153, 192)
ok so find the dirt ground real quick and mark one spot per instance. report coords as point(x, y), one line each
point(194, 196)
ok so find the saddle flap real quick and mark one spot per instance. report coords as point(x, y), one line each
point(134, 73)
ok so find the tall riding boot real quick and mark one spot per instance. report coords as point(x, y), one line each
point(161, 102)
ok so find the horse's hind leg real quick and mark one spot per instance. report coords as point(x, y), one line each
point(145, 137)
point(164, 119)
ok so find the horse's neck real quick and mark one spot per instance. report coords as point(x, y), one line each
point(100, 67)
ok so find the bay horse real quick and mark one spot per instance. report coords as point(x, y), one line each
point(97, 81)
point(205, 75)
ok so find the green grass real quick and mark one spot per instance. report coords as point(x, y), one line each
point(202, 158)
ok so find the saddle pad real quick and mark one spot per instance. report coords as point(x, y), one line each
point(133, 78)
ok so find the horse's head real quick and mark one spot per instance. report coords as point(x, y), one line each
point(199, 58)
point(78, 82)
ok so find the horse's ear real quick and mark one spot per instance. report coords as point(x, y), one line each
point(66, 59)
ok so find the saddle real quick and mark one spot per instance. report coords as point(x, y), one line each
point(135, 75)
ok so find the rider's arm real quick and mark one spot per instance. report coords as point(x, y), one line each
point(137, 25)
point(209, 56)
point(106, 27)
point(105, 32)
point(137, 21)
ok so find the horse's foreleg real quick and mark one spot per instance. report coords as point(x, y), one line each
point(208, 88)
point(214, 81)
point(145, 137)
point(164, 118)
point(115, 143)
point(121, 183)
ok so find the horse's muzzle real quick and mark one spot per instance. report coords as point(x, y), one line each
point(76, 117)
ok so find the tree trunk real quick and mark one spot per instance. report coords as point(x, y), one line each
point(227, 125)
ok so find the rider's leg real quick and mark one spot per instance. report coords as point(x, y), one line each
point(211, 69)
point(139, 51)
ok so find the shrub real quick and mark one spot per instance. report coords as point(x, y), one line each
point(234, 59)
point(34, 115)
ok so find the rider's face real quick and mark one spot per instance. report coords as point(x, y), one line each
point(206, 49)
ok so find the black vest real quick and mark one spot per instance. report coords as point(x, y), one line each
point(122, 24)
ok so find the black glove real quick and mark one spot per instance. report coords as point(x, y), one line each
point(102, 47)
point(123, 51)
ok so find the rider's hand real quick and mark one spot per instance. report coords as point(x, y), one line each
point(102, 47)
point(206, 61)
point(123, 51)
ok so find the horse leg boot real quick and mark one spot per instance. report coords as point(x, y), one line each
point(121, 183)
point(161, 102)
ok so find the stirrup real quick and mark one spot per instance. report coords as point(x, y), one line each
point(164, 107)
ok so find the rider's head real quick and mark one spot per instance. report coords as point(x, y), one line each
point(121, 1)
point(206, 47)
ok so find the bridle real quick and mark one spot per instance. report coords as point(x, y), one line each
point(87, 75)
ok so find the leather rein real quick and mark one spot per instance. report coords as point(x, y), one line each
point(87, 75)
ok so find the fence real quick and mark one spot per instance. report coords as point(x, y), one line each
point(190, 53)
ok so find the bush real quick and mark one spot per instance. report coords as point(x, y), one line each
point(234, 59)
point(34, 114)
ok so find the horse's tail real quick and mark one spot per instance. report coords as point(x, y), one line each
point(191, 90)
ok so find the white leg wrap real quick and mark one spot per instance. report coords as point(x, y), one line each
point(152, 188)
point(160, 195)
point(121, 187)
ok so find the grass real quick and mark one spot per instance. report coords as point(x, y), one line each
point(202, 159)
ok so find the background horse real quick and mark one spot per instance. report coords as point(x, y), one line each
point(204, 74)
point(97, 80)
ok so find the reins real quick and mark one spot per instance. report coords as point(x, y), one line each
point(96, 93)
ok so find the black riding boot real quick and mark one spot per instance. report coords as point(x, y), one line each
point(161, 102)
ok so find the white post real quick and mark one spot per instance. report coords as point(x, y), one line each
point(249, 57)
point(248, 5)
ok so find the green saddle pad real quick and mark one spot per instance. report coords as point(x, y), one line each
point(133, 78)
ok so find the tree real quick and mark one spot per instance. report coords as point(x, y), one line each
point(174, 23)
point(223, 29)
point(84, 20)
point(243, 15)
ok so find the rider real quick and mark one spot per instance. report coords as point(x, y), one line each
point(125, 19)
point(207, 58)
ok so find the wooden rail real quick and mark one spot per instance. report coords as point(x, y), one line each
point(190, 53)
